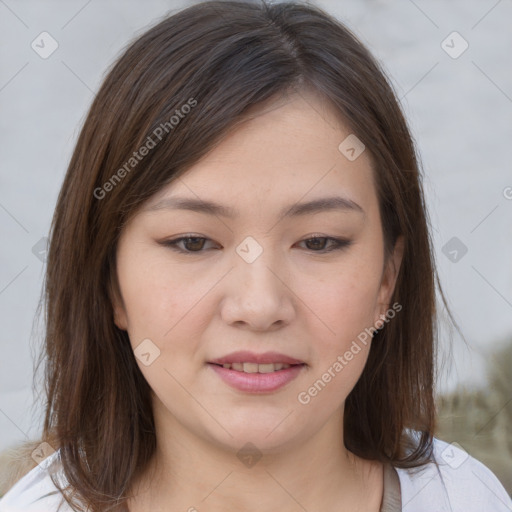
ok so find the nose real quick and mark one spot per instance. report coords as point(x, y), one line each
point(258, 295)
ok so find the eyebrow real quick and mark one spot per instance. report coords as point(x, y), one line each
point(211, 208)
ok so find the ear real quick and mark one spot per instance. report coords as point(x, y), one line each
point(120, 317)
point(389, 277)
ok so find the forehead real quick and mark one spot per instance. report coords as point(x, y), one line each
point(283, 152)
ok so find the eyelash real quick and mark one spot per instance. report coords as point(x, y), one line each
point(338, 243)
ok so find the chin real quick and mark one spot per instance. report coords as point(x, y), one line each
point(259, 438)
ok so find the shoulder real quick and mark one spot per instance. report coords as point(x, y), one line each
point(36, 492)
point(459, 483)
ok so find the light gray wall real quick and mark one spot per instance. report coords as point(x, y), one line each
point(459, 109)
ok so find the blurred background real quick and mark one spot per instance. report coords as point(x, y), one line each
point(447, 61)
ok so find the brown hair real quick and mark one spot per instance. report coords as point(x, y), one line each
point(220, 58)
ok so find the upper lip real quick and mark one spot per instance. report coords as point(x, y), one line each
point(245, 356)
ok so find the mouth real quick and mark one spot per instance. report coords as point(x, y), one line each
point(257, 378)
point(257, 368)
point(253, 372)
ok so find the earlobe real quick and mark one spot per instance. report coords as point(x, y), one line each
point(119, 313)
point(390, 274)
point(120, 318)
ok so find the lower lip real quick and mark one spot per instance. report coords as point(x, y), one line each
point(257, 382)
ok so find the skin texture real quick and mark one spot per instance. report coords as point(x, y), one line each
point(290, 299)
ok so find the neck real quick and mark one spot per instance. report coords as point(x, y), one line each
point(191, 473)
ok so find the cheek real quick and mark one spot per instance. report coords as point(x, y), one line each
point(345, 303)
point(166, 304)
point(154, 299)
point(346, 306)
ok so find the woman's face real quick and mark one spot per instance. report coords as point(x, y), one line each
point(260, 273)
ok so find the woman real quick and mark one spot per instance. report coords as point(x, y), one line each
point(240, 286)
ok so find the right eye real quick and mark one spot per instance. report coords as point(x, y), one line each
point(191, 244)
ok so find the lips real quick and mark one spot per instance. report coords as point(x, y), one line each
point(257, 373)
point(256, 368)
point(257, 382)
point(241, 357)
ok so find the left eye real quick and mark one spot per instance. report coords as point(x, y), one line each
point(195, 244)
point(336, 243)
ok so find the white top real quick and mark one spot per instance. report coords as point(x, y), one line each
point(470, 487)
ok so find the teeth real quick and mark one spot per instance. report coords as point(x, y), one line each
point(256, 368)
point(251, 367)
point(265, 368)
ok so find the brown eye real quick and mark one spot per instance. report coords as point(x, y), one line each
point(319, 243)
point(190, 245)
point(195, 244)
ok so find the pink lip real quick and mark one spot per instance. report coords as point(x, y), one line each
point(245, 356)
point(257, 382)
